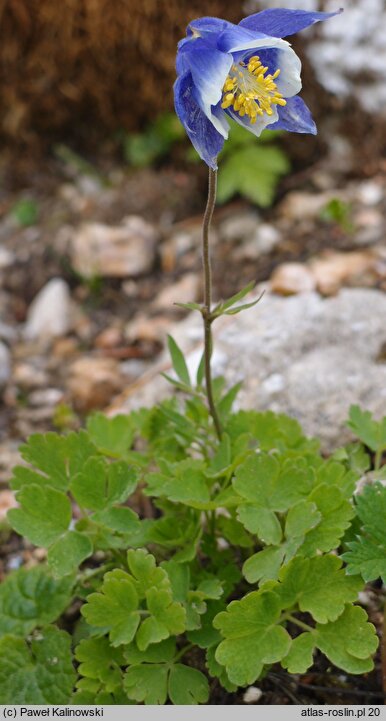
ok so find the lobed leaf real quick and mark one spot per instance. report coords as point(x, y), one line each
point(55, 457)
point(115, 608)
point(39, 672)
point(68, 552)
point(367, 555)
point(44, 514)
point(318, 586)
point(349, 641)
point(372, 433)
point(111, 436)
point(99, 661)
point(31, 598)
point(252, 635)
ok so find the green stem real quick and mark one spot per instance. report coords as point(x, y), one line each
point(183, 651)
point(297, 622)
point(206, 309)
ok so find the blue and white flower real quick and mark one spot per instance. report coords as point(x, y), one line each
point(246, 72)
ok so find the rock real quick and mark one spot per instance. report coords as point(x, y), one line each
point(143, 328)
point(5, 365)
point(304, 355)
point(93, 382)
point(184, 291)
point(176, 248)
point(46, 397)
point(264, 241)
point(109, 338)
point(29, 376)
point(299, 205)
point(7, 332)
point(370, 192)
point(114, 251)
point(239, 227)
point(7, 501)
point(292, 278)
point(252, 694)
point(333, 270)
point(369, 226)
point(50, 313)
point(6, 258)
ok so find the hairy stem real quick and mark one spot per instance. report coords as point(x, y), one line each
point(206, 310)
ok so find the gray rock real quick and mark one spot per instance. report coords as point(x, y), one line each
point(122, 251)
point(303, 355)
point(5, 365)
point(50, 313)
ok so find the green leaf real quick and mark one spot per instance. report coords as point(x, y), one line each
point(264, 565)
point(100, 484)
point(318, 586)
point(25, 211)
point(349, 641)
point(120, 519)
point(189, 306)
point(31, 598)
point(43, 516)
point(167, 618)
point(186, 483)
point(244, 306)
point(187, 686)
point(145, 573)
point(253, 172)
point(153, 677)
point(163, 652)
point(226, 304)
point(201, 370)
point(147, 683)
point(300, 656)
point(261, 481)
point(225, 404)
point(234, 532)
point(336, 514)
point(68, 552)
point(178, 361)
point(39, 672)
point(115, 608)
point(57, 459)
point(261, 521)
point(270, 431)
point(301, 518)
point(99, 661)
point(252, 635)
point(372, 433)
point(218, 671)
point(112, 436)
point(367, 555)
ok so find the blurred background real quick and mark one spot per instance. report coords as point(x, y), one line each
point(101, 195)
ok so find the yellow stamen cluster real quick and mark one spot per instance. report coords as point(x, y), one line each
point(249, 91)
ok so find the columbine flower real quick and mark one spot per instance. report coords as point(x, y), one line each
point(245, 71)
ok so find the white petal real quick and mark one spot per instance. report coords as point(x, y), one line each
point(289, 81)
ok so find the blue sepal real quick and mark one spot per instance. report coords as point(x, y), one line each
point(280, 22)
point(295, 117)
point(201, 132)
